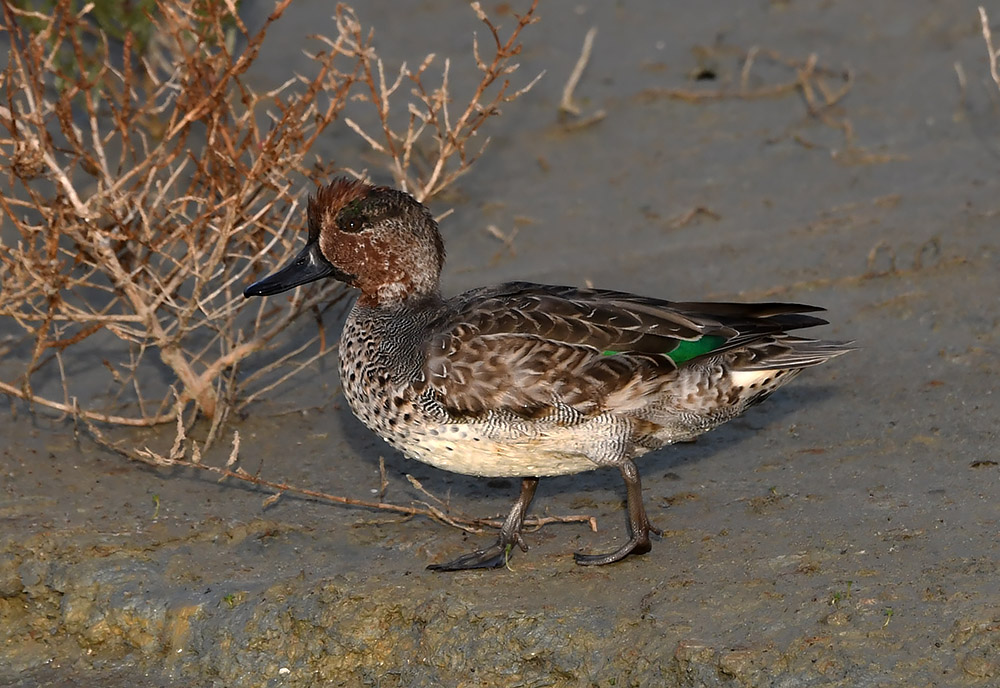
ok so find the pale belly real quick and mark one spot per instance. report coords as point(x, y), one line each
point(461, 449)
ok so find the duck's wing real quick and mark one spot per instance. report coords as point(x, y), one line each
point(534, 350)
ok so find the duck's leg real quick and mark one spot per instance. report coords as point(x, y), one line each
point(639, 526)
point(510, 534)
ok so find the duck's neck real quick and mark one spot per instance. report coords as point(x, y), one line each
point(398, 296)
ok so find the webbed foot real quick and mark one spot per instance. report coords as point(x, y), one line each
point(492, 557)
point(637, 544)
point(639, 526)
point(498, 554)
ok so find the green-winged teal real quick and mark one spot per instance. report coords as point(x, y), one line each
point(529, 380)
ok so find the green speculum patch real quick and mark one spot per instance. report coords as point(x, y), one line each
point(685, 351)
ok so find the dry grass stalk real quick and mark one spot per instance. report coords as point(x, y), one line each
point(142, 196)
point(567, 106)
point(691, 215)
point(992, 52)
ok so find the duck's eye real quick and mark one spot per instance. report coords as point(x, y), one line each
point(352, 222)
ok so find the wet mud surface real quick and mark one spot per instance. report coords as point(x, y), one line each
point(844, 533)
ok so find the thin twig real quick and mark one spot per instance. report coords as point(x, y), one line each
point(72, 409)
point(993, 53)
point(567, 104)
point(960, 74)
point(383, 479)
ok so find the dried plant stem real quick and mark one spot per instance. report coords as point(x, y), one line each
point(567, 104)
point(689, 216)
point(176, 458)
point(962, 81)
point(992, 52)
point(74, 409)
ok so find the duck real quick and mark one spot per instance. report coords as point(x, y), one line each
point(523, 380)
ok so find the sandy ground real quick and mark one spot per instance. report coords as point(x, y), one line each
point(842, 534)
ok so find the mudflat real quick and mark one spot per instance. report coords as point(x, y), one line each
point(843, 533)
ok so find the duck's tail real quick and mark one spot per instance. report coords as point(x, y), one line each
point(786, 351)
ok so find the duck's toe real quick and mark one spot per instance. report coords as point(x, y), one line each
point(636, 545)
point(639, 543)
point(492, 557)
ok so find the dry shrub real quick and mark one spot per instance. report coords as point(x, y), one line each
point(142, 193)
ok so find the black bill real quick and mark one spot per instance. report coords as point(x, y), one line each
point(308, 266)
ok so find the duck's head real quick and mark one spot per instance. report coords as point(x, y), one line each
point(375, 238)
